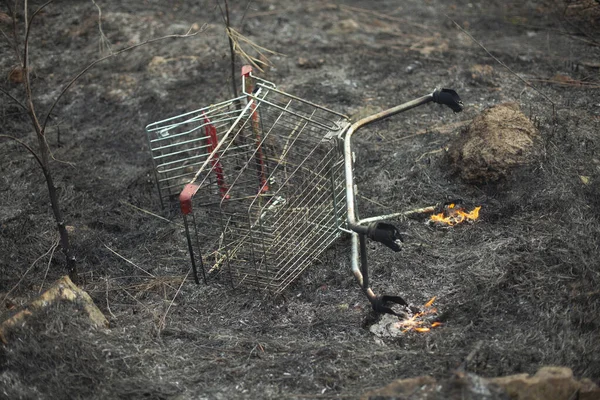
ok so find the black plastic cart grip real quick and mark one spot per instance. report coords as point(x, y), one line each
point(386, 234)
point(448, 97)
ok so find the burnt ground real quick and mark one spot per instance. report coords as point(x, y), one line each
point(522, 282)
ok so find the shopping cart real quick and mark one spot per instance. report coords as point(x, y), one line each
point(266, 185)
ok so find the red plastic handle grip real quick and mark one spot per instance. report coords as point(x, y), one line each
point(185, 197)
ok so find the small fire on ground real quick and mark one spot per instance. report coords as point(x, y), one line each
point(420, 322)
point(453, 214)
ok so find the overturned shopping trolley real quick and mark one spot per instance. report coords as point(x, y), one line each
point(267, 185)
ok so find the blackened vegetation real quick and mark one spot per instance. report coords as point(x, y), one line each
point(523, 280)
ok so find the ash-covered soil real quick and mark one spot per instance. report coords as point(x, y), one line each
point(521, 284)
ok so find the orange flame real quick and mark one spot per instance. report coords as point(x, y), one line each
point(454, 215)
point(415, 322)
point(430, 302)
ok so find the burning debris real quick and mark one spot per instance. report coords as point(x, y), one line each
point(453, 214)
point(422, 321)
point(415, 321)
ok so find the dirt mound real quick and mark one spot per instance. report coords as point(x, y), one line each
point(497, 140)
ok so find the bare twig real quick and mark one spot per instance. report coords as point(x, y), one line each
point(428, 153)
point(51, 249)
point(384, 16)
point(237, 39)
point(107, 303)
point(569, 83)
point(13, 99)
point(145, 211)
point(227, 22)
point(162, 323)
point(373, 201)
point(48, 265)
point(29, 149)
point(501, 63)
point(129, 261)
point(245, 13)
point(104, 42)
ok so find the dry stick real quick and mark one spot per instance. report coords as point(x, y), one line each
point(107, 303)
point(428, 153)
point(164, 317)
point(48, 266)
point(245, 13)
point(104, 42)
point(385, 16)
point(501, 63)
point(29, 269)
point(29, 149)
point(231, 51)
point(570, 83)
point(137, 300)
point(129, 261)
point(239, 38)
point(373, 201)
point(145, 211)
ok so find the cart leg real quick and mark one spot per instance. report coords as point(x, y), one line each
point(380, 304)
point(364, 266)
point(191, 250)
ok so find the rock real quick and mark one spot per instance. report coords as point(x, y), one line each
point(402, 388)
point(549, 383)
point(62, 290)
point(461, 386)
point(496, 141)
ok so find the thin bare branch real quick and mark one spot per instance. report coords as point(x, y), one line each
point(51, 249)
point(104, 42)
point(32, 113)
point(162, 323)
point(145, 211)
point(245, 13)
point(49, 262)
point(94, 63)
point(499, 61)
point(129, 261)
point(237, 40)
point(13, 99)
point(29, 149)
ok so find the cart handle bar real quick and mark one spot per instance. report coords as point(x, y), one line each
point(441, 96)
point(384, 233)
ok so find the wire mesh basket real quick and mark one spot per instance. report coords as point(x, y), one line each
point(268, 195)
point(265, 185)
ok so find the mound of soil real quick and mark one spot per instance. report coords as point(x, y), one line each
point(498, 140)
